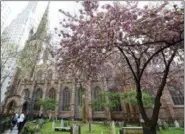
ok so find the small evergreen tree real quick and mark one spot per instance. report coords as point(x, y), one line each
point(130, 97)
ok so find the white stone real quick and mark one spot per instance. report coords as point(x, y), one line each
point(53, 126)
point(177, 125)
point(62, 123)
point(113, 128)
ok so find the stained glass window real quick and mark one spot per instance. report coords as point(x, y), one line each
point(116, 100)
point(177, 96)
point(66, 99)
point(97, 96)
point(26, 93)
point(52, 93)
point(36, 96)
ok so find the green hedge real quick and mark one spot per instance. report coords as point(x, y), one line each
point(32, 127)
point(5, 122)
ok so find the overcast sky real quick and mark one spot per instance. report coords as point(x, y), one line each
point(54, 15)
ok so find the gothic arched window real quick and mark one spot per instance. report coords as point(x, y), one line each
point(52, 93)
point(66, 99)
point(96, 95)
point(115, 99)
point(108, 71)
point(39, 75)
point(26, 93)
point(11, 106)
point(36, 96)
point(78, 99)
point(50, 74)
point(177, 96)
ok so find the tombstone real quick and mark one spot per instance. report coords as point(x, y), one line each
point(113, 127)
point(89, 126)
point(159, 122)
point(50, 116)
point(177, 125)
point(76, 129)
point(62, 123)
point(53, 126)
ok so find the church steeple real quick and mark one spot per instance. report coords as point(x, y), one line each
point(41, 32)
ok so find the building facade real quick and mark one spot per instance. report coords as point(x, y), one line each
point(5, 12)
point(17, 34)
point(44, 81)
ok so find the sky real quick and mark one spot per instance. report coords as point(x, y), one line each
point(54, 16)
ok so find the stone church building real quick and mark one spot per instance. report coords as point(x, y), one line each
point(45, 82)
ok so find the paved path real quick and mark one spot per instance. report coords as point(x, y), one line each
point(14, 131)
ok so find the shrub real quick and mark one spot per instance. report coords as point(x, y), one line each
point(30, 128)
point(165, 125)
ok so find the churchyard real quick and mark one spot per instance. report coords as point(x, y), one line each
point(96, 127)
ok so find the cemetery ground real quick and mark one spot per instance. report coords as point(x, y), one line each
point(96, 127)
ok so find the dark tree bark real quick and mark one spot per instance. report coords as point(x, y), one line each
point(150, 124)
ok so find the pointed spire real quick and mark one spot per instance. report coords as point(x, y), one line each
point(43, 26)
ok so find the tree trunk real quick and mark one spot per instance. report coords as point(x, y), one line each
point(149, 130)
point(88, 100)
point(89, 106)
point(84, 113)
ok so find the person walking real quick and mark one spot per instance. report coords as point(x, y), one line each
point(14, 120)
point(20, 122)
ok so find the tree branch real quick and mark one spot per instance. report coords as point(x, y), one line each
point(161, 88)
point(128, 62)
point(154, 54)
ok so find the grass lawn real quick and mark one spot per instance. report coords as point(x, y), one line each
point(97, 128)
point(172, 131)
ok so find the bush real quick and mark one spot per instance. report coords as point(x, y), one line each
point(32, 127)
point(29, 128)
point(5, 122)
point(165, 125)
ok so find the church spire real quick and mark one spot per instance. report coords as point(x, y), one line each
point(43, 26)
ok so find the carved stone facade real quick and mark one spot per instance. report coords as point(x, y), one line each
point(69, 100)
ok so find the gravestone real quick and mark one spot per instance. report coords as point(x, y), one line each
point(159, 124)
point(53, 126)
point(62, 123)
point(113, 127)
point(177, 125)
point(76, 129)
point(89, 126)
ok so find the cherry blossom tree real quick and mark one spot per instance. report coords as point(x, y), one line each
point(140, 35)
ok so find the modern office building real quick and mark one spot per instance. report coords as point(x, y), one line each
point(17, 34)
point(5, 13)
